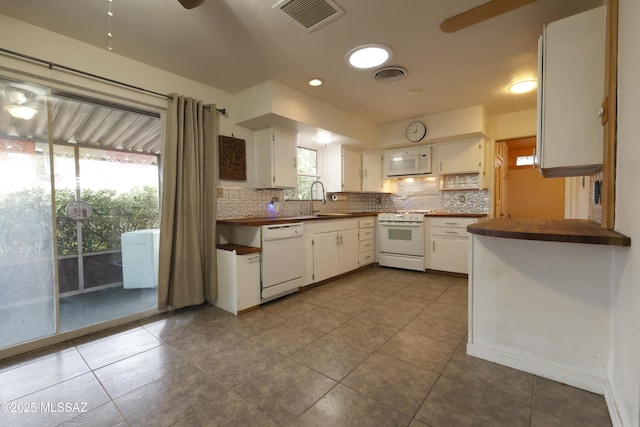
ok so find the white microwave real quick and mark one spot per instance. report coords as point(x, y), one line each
point(408, 161)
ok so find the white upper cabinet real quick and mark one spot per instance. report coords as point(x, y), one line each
point(276, 154)
point(343, 169)
point(570, 95)
point(457, 157)
point(372, 171)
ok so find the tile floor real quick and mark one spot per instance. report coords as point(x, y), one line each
point(380, 347)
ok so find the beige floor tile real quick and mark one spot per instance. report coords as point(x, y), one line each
point(104, 415)
point(45, 371)
point(369, 335)
point(251, 323)
point(419, 350)
point(58, 403)
point(227, 410)
point(437, 327)
point(556, 404)
point(331, 356)
point(197, 347)
point(460, 403)
point(399, 385)
point(285, 391)
point(344, 407)
point(169, 398)
point(323, 319)
point(239, 363)
point(112, 349)
point(287, 337)
point(136, 371)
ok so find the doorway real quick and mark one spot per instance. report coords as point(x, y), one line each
point(75, 175)
point(521, 191)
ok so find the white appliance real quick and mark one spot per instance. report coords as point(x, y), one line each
point(140, 258)
point(282, 265)
point(409, 161)
point(401, 237)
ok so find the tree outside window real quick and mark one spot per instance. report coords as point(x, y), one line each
point(307, 161)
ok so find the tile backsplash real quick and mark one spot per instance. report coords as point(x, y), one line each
point(404, 194)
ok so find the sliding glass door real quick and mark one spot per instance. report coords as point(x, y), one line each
point(78, 177)
point(27, 279)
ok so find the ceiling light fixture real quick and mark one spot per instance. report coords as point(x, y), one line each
point(369, 56)
point(323, 138)
point(21, 111)
point(315, 81)
point(523, 86)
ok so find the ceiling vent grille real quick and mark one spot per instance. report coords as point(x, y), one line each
point(311, 14)
point(388, 74)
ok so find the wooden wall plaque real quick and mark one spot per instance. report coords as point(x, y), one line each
point(233, 158)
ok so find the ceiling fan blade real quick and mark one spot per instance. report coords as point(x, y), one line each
point(481, 13)
point(190, 4)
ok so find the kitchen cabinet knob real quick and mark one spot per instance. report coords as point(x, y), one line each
point(601, 112)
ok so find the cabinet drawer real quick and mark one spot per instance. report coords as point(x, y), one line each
point(452, 222)
point(365, 258)
point(450, 232)
point(365, 246)
point(365, 233)
point(366, 223)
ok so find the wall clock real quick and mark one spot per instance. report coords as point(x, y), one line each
point(416, 131)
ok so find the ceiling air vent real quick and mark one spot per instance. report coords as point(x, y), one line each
point(389, 74)
point(311, 14)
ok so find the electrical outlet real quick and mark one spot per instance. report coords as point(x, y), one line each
point(220, 193)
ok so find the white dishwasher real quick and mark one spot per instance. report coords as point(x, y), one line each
point(282, 265)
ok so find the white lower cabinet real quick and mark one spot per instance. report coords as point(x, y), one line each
point(366, 238)
point(238, 278)
point(334, 253)
point(450, 244)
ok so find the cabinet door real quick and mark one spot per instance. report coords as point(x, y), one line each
point(325, 256)
point(371, 171)
point(450, 254)
point(460, 156)
point(248, 283)
point(285, 153)
point(348, 250)
point(351, 166)
point(572, 64)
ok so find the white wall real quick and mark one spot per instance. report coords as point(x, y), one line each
point(513, 125)
point(624, 367)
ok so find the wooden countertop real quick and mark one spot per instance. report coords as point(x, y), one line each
point(456, 214)
point(259, 221)
point(240, 249)
point(567, 230)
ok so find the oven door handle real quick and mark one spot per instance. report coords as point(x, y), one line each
point(401, 224)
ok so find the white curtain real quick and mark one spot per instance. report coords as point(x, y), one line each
point(187, 271)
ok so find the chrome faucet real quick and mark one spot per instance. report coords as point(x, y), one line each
point(324, 197)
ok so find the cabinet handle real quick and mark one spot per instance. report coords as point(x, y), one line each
point(254, 259)
point(433, 246)
point(451, 232)
point(451, 223)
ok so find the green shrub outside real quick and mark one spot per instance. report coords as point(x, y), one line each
point(25, 220)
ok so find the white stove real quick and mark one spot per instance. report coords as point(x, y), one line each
point(402, 240)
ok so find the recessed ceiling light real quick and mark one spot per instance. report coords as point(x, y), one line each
point(368, 56)
point(523, 86)
point(315, 81)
